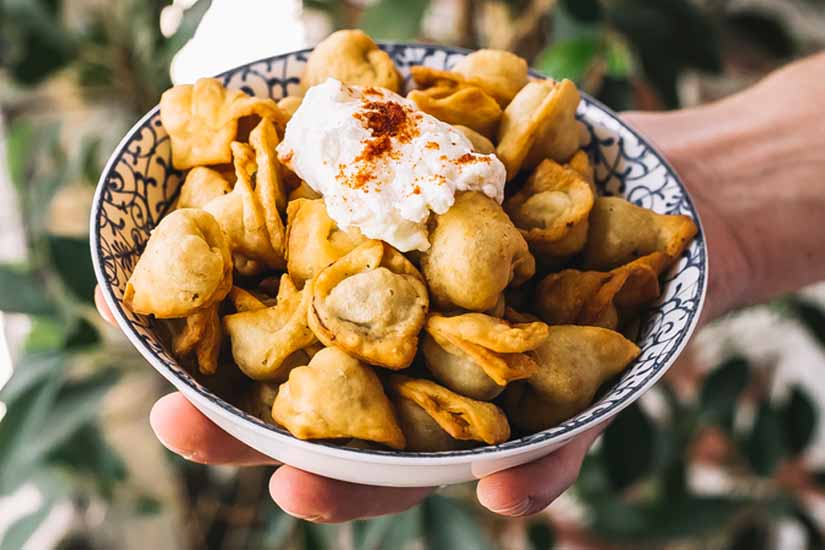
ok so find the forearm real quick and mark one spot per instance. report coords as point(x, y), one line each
point(755, 163)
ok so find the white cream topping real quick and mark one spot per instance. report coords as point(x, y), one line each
point(381, 164)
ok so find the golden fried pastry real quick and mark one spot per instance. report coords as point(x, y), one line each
point(201, 186)
point(573, 297)
point(573, 362)
point(304, 191)
point(244, 219)
point(580, 162)
point(620, 232)
point(336, 396)
point(353, 58)
point(551, 210)
point(270, 189)
point(480, 143)
point(202, 120)
point(466, 105)
point(477, 355)
point(187, 266)
point(472, 272)
point(201, 335)
point(422, 431)
point(371, 303)
point(262, 339)
point(289, 104)
point(499, 73)
point(243, 300)
point(461, 417)
point(313, 241)
point(259, 400)
point(539, 123)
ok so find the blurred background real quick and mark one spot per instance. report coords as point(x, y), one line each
point(727, 452)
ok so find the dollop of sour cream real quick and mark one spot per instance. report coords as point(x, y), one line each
point(381, 164)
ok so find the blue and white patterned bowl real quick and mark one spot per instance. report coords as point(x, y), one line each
point(139, 184)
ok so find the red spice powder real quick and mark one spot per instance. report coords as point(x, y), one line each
point(386, 121)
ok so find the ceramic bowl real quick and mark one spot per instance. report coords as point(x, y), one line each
point(139, 184)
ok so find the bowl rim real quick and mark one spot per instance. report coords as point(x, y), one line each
point(513, 447)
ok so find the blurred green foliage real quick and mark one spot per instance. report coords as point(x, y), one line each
point(635, 486)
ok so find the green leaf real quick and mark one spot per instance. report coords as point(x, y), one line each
point(619, 57)
point(721, 390)
point(21, 425)
point(89, 156)
point(72, 260)
point(83, 335)
point(21, 291)
point(148, 505)
point(277, 527)
point(318, 536)
point(570, 58)
point(46, 334)
point(41, 43)
point(20, 141)
point(76, 405)
point(799, 419)
point(614, 518)
point(540, 536)
point(188, 25)
point(693, 516)
point(396, 531)
point(765, 445)
point(394, 19)
point(629, 445)
point(31, 369)
point(664, 34)
point(87, 453)
point(448, 525)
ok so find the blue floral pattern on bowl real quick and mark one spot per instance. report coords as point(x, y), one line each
point(139, 185)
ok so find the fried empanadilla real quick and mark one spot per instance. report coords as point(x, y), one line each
point(573, 362)
point(262, 339)
point(499, 73)
point(465, 105)
point(573, 297)
point(336, 396)
point(472, 272)
point(353, 58)
point(202, 120)
point(371, 303)
point(201, 186)
point(461, 417)
point(539, 123)
point(246, 221)
point(313, 241)
point(480, 143)
point(186, 267)
point(421, 430)
point(200, 335)
point(551, 210)
point(478, 355)
point(621, 232)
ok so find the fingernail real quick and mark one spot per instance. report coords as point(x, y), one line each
point(520, 508)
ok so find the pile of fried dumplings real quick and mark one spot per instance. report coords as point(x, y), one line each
point(508, 324)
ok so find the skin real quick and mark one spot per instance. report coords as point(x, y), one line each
point(754, 165)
